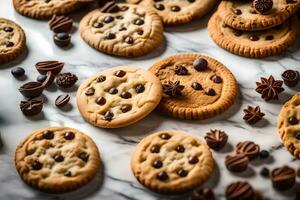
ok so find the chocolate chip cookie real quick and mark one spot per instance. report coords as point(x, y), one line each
point(123, 29)
point(118, 96)
point(12, 40)
point(195, 86)
point(253, 44)
point(172, 162)
point(289, 125)
point(57, 159)
point(45, 9)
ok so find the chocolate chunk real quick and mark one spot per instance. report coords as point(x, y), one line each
point(159, 6)
point(265, 172)
point(68, 174)
point(162, 176)
point(210, 92)
point(191, 1)
point(110, 36)
point(111, 7)
point(197, 86)
point(193, 160)
point(165, 136)
point(108, 19)
point(253, 37)
point(41, 78)
point(216, 139)
point(175, 8)
point(237, 11)
point(283, 178)
point(18, 72)
point(69, 135)
point(59, 24)
point(264, 154)
point(155, 149)
point(138, 22)
point(128, 40)
point(203, 194)
point(66, 80)
point(10, 44)
point(113, 90)
point(58, 158)
point(157, 164)
point(180, 149)
point(139, 88)
point(124, 8)
point(297, 135)
point(293, 120)
point(31, 107)
point(237, 163)
point(45, 66)
point(48, 135)
point(108, 116)
point(101, 79)
point(291, 78)
point(49, 79)
point(173, 89)
point(216, 79)
point(200, 64)
point(31, 89)
point(126, 95)
point(182, 173)
point(62, 39)
point(269, 37)
point(84, 156)
point(119, 17)
point(101, 101)
point(240, 190)
point(120, 73)
point(62, 100)
point(181, 70)
point(90, 92)
point(263, 6)
point(122, 29)
point(237, 33)
point(97, 25)
point(8, 29)
point(125, 108)
point(140, 32)
point(253, 115)
point(36, 165)
point(248, 148)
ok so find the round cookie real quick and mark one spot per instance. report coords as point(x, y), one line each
point(57, 159)
point(171, 162)
point(12, 40)
point(45, 9)
point(175, 12)
point(241, 15)
point(191, 93)
point(289, 125)
point(125, 30)
point(118, 97)
point(253, 44)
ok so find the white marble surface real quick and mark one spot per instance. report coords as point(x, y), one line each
point(116, 180)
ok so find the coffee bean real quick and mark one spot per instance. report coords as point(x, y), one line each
point(90, 92)
point(193, 160)
point(180, 149)
point(128, 40)
point(108, 19)
point(162, 176)
point(113, 91)
point(97, 25)
point(8, 29)
point(197, 86)
point(182, 173)
point(253, 37)
point(293, 120)
point(41, 78)
point(58, 158)
point(159, 6)
point(216, 79)
point(155, 149)
point(48, 135)
point(157, 164)
point(125, 108)
point(200, 64)
point(108, 116)
point(175, 8)
point(264, 154)
point(62, 100)
point(210, 92)
point(120, 73)
point(69, 135)
point(138, 22)
point(84, 156)
point(165, 136)
point(101, 79)
point(139, 88)
point(110, 36)
point(18, 72)
point(265, 172)
point(101, 101)
point(126, 95)
point(36, 165)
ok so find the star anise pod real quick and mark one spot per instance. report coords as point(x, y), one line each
point(253, 115)
point(173, 89)
point(269, 88)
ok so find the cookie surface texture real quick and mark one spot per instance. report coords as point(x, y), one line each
point(242, 16)
point(289, 125)
point(172, 162)
point(254, 44)
point(12, 40)
point(119, 96)
point(57, 159)
point(204, 92)
point(129, 30)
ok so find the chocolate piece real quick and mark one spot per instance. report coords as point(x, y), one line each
point(31, 89)
point(36, 165)
point(291, 78)
point(101, 79)
point(237, 163)
point(140, 32)
point(108, 116)
point(8, 29)
point(216, 139)
point(269, 88)
point(62, 100)
point(110, 7)
point(10, 44)
point(108, 19)
point(120, 73)
point(18, 72)
point(62, 39)
point(113, 91)
point(138, 22)
point(180, 149)
point(203, 194)
point(139, 88)
point(122, 29)
point(269, 37)
point(253, 37)
point(49, 79)
point(197, 86)
point(54, 66)
point(58, 158)
point(175, 8)
point(263, 6)
point(216, 79)
point(193, 160)
point(59, 24)
point(97, 25)
point(157, 164)
point(237, 11)
point(253, 115)
point(182, 173)
point(68, 174)
point(125, 108)
point(265, 172)
point(159, 6)
point(69, 135)
point(66, 80)
point(248, 148)
point(48, 135)
point(124, 8)
point(165, 136)
point(84, 156)
point(155, 149)
point(41, 78)
point(101, 101)
point(240, 191)
point(210, 92)
point(162, 176)
point(126, 95)
point(173, 89)
point(31, 107)
point(181, 70)
point(264, 154)
point(283, 178)
point(90, 92)
point(297, 135)
point(129, 40)
point(237, 33)
point(200, 64)
point(293, 120)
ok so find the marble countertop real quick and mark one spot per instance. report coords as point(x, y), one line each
point(116, 182)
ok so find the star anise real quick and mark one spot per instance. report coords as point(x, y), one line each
point(269, 88)
point(173, 89)
point(253, 115)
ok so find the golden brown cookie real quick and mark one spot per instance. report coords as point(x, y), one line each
point(253, 44)
point(126, 30)
point(195, 86)
point(171, 162)
point(57, 159)
point(242, 15)
point(175, 12)
point(45, 9)
point(12, 40)
point(118, 97)
point(289, 125)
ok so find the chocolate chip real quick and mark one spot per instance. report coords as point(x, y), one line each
point(237, 33)
point(108, 116)
point(182, 173)
point(108, 19)
point(126, 95)
point(237, 11)
point(122, 29)
point(197, 86)
point(265, 172)
point(68, 173)
point(139, 88)
point(162, 176)
point(264, 154)
point(128, 40)
point(210, 92)
point(155, 149)
point(125, 108)
point(101, 101)
point(181, 70)
point(269, 37)
point(84, 156)
point(62, 39)
point(119, 17)
point(253, 37)
point(101, 79)
point(110, 36)
point(140, 32)
point(113, 91)
point(193, 160)
point(8, 29)
point(62, 100)
point(216, 79)
point(180, 149)
point(200, 64)
point(90, 92)
point(120, 73)
point(58, 158)
point(165, 136)
point(175, 8)
point(159, 6)
point(138, 22)
point(41, 78)
point(69, 135)
point(97, 25)
point(157, 164)
point(297, 136)
point(293, 120)
point(36, 165)
point(48, 135)
point(10, 44)
point(124, 8)
point(191, 1)
point(18, 72)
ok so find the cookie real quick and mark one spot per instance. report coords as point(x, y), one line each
point(242, 15)
point(289, 125)
point(118, 97)
point(253, 44)
point(45, 9)
point(57, 159)
point(123, 30)
point(12, 40)
point(175, 12)
point(171, 162)
point(195, 86)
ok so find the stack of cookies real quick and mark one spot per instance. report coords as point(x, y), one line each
point(256, 28)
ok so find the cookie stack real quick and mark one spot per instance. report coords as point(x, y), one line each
point(257, 28)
